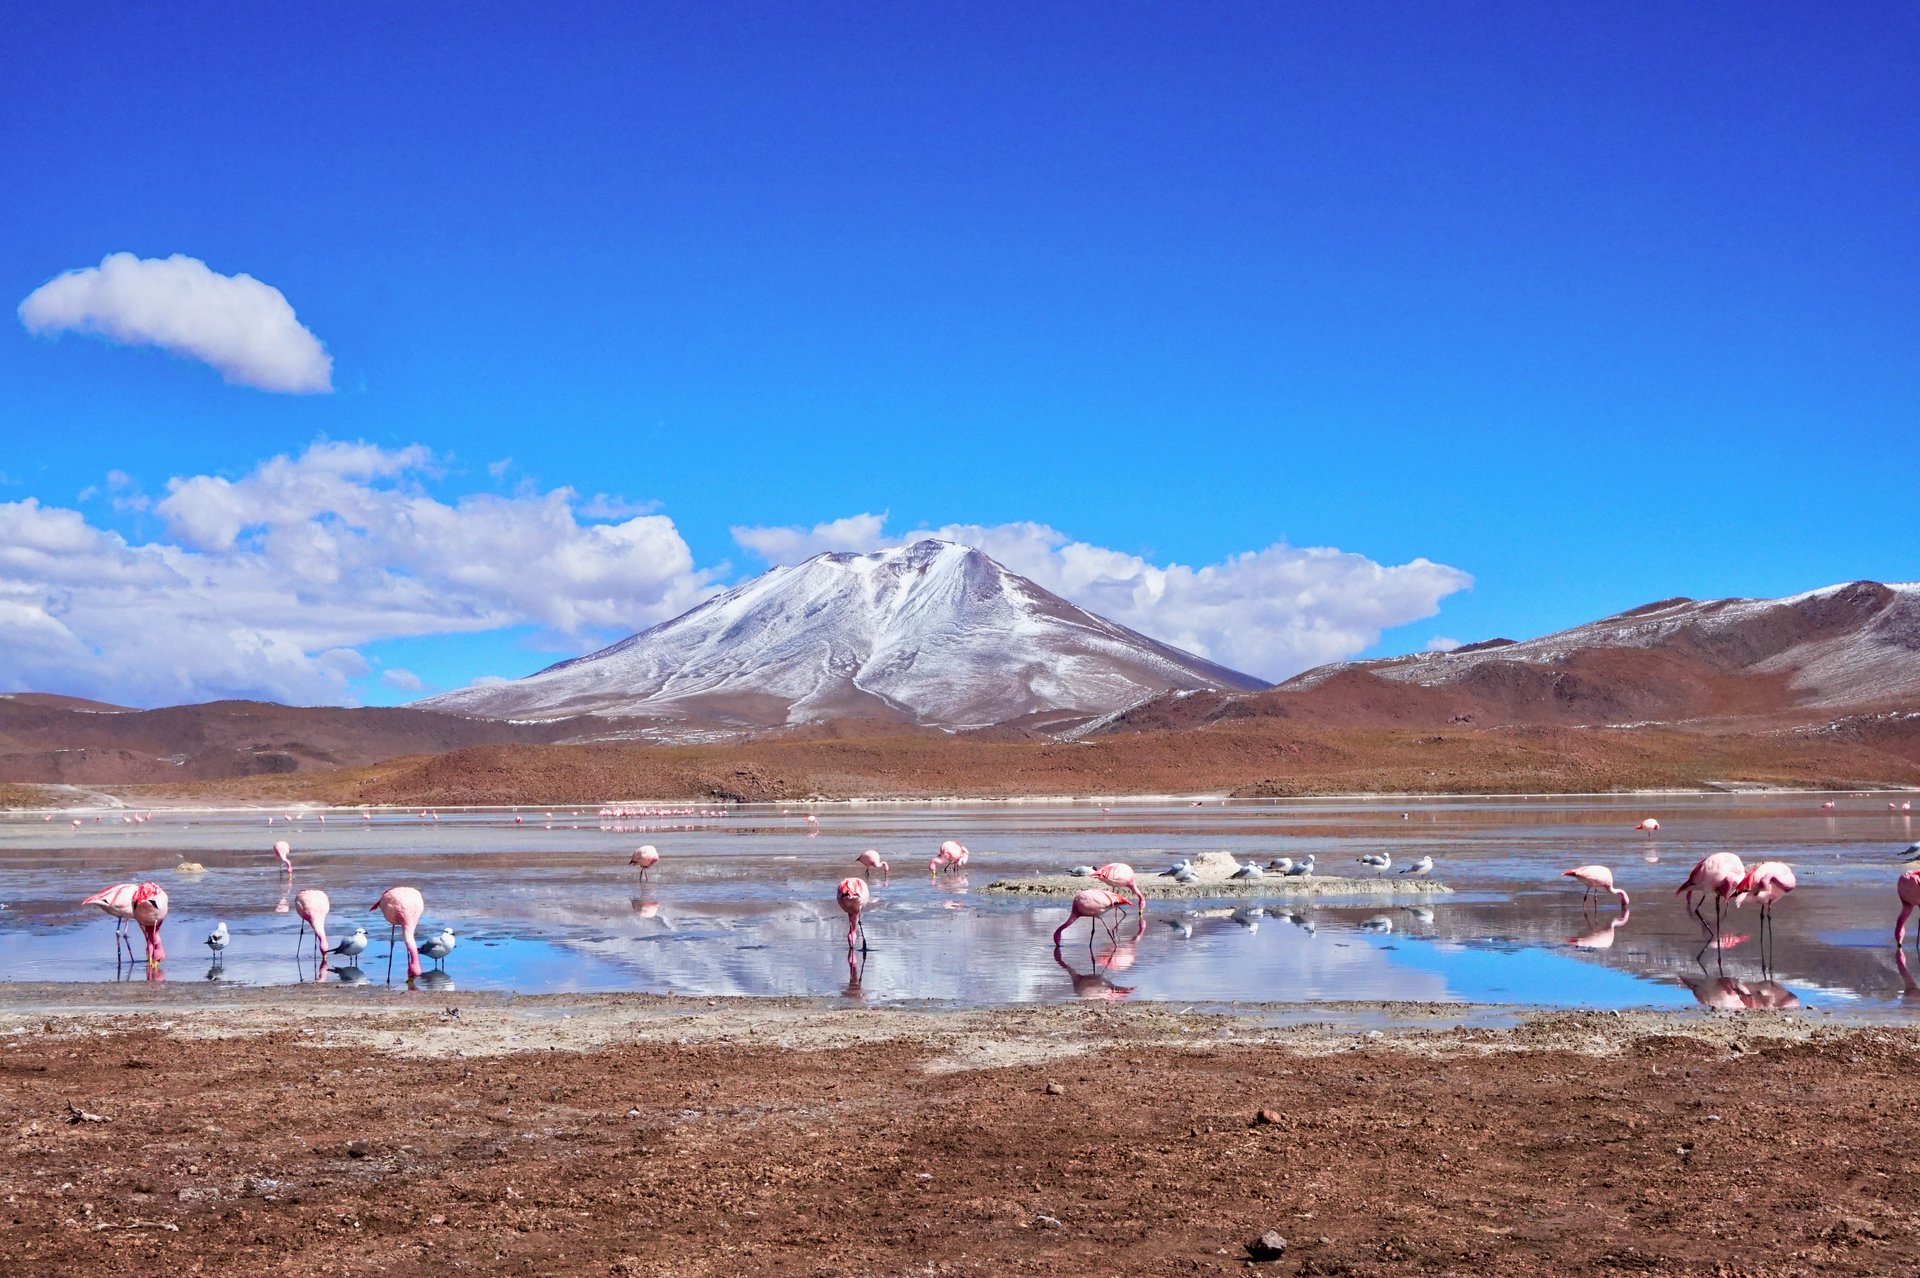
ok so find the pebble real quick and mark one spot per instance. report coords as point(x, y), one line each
point(1054, 1089)
point(1266, 1116)
point(1268, 1246)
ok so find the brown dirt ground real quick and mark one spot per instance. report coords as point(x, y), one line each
point(1644, 1144)
point(1264, 758)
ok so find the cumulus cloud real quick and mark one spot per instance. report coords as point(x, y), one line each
point(268, 585)
point(778, 545)
point(1442, 643)
point(244, 328)
point(404, 680)
point(1271, 612)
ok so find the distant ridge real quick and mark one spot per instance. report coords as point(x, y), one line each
point(1849, 646)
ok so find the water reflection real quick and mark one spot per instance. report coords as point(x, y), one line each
point(748, 907)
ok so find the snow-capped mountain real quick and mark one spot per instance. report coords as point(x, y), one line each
point(933, 633)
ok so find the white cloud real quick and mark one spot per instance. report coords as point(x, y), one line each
point(244, 328)
point(267, 585)
point(1441, 643)
point(1272, 612)
point(777, 545)
point(270, 584)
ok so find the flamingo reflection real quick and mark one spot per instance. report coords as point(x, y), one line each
point(1727, 994)
point(1601, 938)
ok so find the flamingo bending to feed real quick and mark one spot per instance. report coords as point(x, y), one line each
point(284, 851)
point(871, 859)
point(853, 896)
point(1597, 878)
point(1092, 904)
point(401, 907)
point(1119, 875)
point(313, 906)
point(646, 857)
point(1766, 883)
point(117, 901)
point(150, 911)
point(951, 856)
point(1649, 825)
point(1909, 888)
point(1717, 876)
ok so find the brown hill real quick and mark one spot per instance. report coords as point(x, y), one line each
point(1678, 661)
point(67, 740)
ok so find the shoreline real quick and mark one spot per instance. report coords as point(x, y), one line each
point(164, 803)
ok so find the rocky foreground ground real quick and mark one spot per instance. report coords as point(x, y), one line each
point(182, 1132)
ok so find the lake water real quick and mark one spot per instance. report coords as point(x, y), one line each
point(743, 903)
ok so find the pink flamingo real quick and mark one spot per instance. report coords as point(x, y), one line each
point(150, 911)
point(1649, 825)
point(951, 856)
point(1092, 904)
point(853, 896)
point(1718, 876)
point(401, 907)
point(1766, 883)
point(312, 905)
point(1118, 874)
point(871, 859)
point(646, 857)
point(1596, 878)
point(284, 851)
point(1909, 889)
point(1827, 806)
point(117, 901)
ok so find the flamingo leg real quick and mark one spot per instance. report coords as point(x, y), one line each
point(392, 930)
point(863, 935)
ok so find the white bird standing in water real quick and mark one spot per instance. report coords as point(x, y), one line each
point(1378, 860)
point(217, 939)
point(352, 946)
point(438, 947)
point(1423, 866)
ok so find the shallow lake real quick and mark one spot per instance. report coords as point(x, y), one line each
point(742, 902)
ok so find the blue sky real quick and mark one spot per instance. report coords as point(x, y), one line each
point(1597, 305)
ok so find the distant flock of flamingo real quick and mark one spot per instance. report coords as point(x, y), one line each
point(1720, 877)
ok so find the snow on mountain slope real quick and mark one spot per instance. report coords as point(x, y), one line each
point(1850, 644)
point(933, 633)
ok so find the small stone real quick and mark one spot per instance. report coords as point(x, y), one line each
point(1266, 1117)
point(1048, 1222)
point(1268, 1246)
point(1054, 1089)
point(357, 1149)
